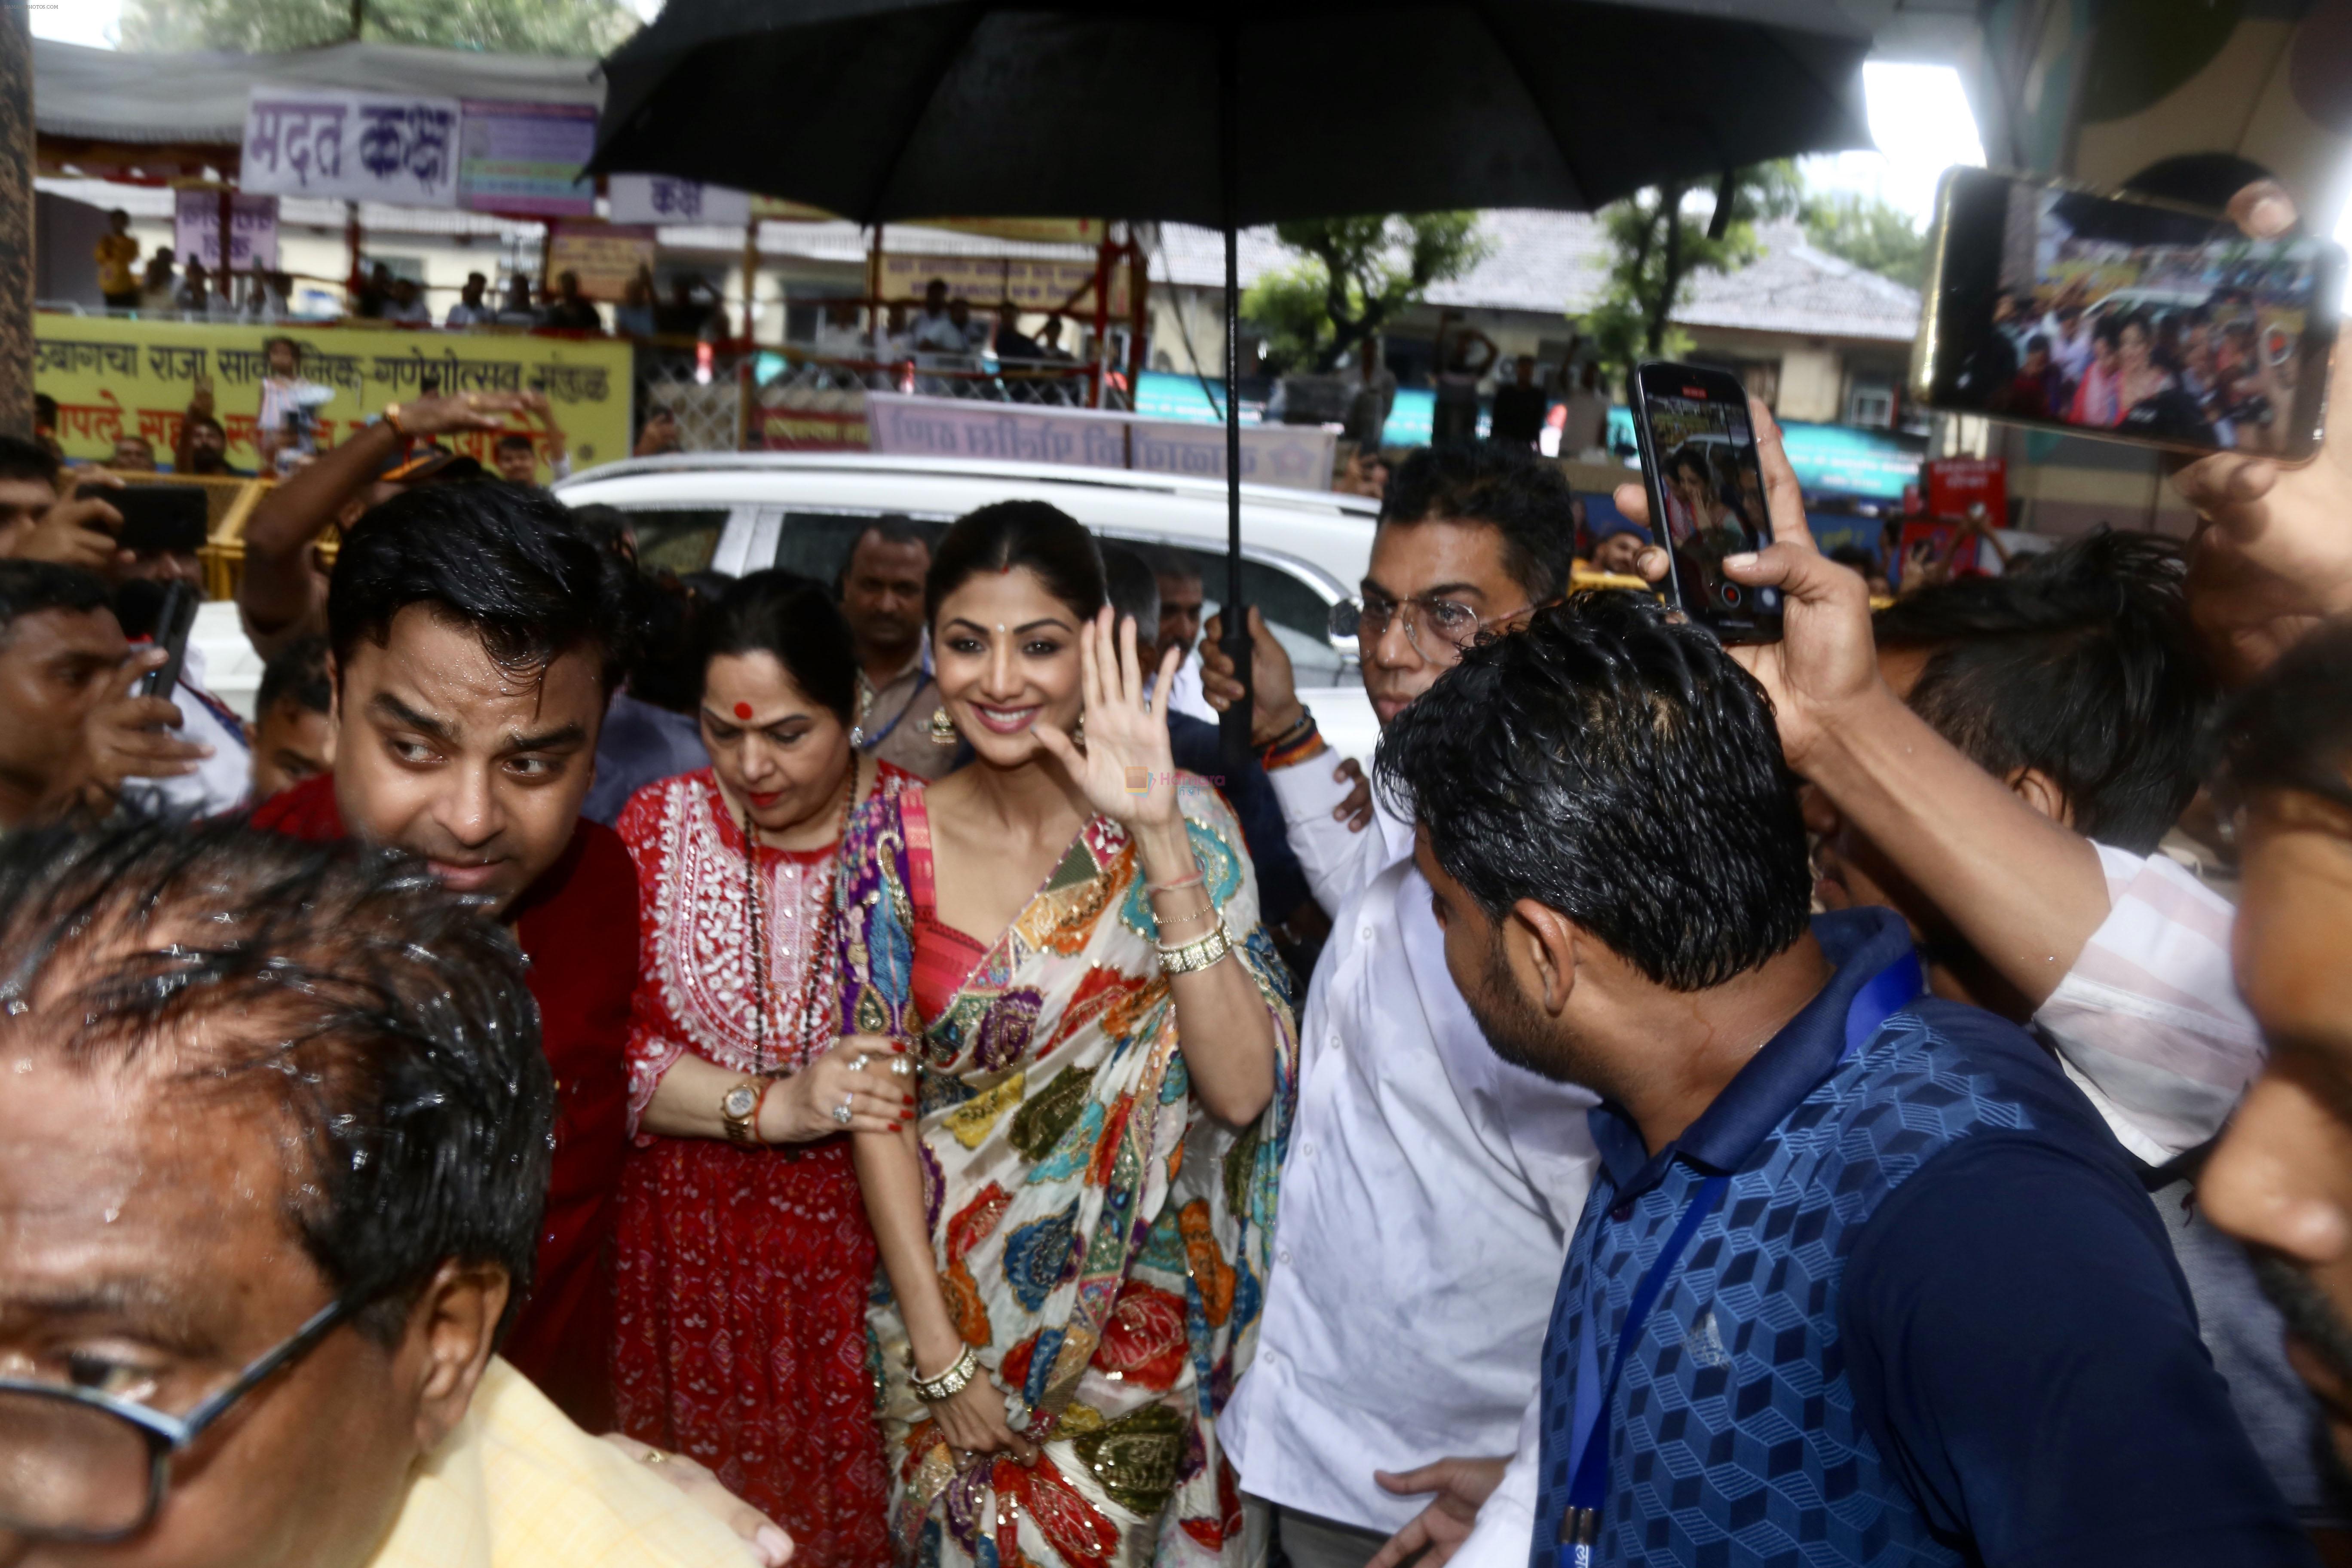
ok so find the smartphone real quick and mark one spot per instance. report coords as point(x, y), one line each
point(159, 517)
point(173, 622)
point(2123, 318)
point(1706, 493)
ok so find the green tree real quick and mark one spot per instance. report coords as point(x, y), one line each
point(1657, 249)
point(1871, 233)
point(579, 28)
point(1355, 275)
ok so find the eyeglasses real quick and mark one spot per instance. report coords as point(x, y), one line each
point(1439, 629)
point(79, 1464)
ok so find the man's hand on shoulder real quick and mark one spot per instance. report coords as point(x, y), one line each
point(765, 1537)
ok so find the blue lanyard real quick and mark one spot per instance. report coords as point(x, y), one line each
point(923, 662)
point(1886, 993)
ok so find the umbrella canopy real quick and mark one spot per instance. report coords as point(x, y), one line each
point(884, 110)
point(1223, 114)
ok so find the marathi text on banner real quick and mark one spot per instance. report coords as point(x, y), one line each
point(357, 146)
point(114, 378)
point(985, 280)
point(527, 158)
point(604, 258)
point(252, 229)
point(1295, 457)
point(657, 198)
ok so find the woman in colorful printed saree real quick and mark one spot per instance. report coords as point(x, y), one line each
point(1075, 1228)
point(743, 1257)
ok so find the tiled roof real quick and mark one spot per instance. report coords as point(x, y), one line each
point(1545, 261)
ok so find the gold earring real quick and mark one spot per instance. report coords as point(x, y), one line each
point(1079, 733)
point(943, 730)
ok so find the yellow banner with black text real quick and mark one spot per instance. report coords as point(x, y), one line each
point(115, 377)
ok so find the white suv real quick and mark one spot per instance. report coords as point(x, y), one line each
point(1302, 550)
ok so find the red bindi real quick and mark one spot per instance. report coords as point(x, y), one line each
point(742, 709)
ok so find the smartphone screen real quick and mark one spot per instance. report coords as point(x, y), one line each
point(1706, 493)
point(2131, 320)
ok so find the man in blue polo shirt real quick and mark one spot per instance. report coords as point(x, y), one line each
point(1863, 1279)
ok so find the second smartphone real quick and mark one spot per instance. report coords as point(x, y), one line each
point(1706, 493)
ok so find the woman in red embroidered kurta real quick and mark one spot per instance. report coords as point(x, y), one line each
point(744, 1256)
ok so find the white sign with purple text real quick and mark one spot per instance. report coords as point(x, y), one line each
point(353, 146)
point(658, 199)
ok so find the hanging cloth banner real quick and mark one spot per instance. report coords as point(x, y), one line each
point(252, 228)
point(354, 146)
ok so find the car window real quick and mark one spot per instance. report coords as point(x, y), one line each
point(818, 543)
point(1298, 616)
point(680, 539)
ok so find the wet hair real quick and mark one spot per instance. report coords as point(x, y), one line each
point(1620, 768)
point(793, 618)
point(22, 460)
point(2081, 663)
point(385, 1020)
point(506, 560)
point(1133, 589)
point(1032, 534)
point(606, 527)
point(296, 673)
point(2292, 728)
point(1507, 488)
point(29, 587)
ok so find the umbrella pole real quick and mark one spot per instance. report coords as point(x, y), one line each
point(1233, 725)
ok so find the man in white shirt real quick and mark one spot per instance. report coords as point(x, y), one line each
point(1431, 1189)
point(1458, 1265)
point(1180, 626)
point(473, 307)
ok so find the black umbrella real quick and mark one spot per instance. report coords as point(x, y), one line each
point(1224, 114)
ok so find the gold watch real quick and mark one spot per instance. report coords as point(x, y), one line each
point(740, 1108)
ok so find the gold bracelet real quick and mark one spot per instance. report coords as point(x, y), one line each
point(1209, 913)
point(1195, 955)
point(949, 1383)
point(391, 417)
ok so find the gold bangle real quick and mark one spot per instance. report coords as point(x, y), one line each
point(391, 417)
point(1196, 955)
point(949, 1383)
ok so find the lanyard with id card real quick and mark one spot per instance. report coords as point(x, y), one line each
point(1886, 993)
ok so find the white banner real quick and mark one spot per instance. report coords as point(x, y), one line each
point(252, 229)
point(1297, 457)
point(355, 146)
point(657, 198)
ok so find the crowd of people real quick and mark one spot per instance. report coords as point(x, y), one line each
point(629, 1069)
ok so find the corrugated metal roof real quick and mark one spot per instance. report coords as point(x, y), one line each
point(113, 95)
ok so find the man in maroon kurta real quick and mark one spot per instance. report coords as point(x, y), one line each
point(578, 926)
point(476, 638)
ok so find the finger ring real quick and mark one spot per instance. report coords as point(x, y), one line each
point(901, 1068)
point(841, 1112)
point(654, 1457)
point(859, 1064)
